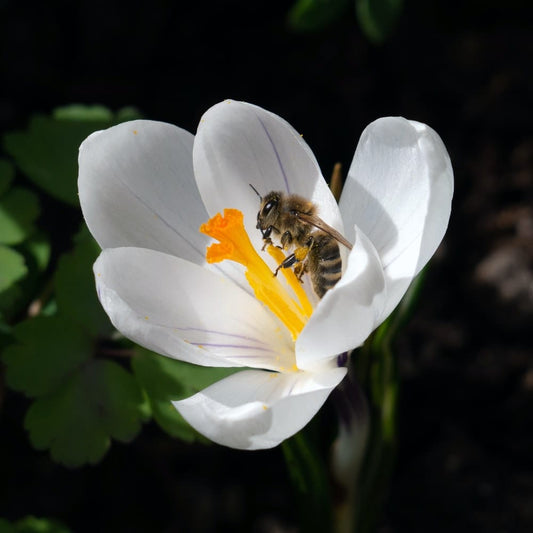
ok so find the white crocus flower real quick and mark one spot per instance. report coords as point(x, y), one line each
point(145, 189)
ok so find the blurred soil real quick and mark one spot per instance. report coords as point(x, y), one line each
point(465, 453)
point(465, 460)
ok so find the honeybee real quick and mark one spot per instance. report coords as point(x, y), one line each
point(315, 244)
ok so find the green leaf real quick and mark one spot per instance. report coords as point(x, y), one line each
point(17, 297)
point(75, 287)
point(7, 173)
point(12, 267)
point(165, 379)
point(82, 402)
point(49, 309)
point(310, 477)
point(83, 113)
point(48, 351)
point(18, 210)
point(127, 113)
point(47, 152)
point(31, 524)
point(80, 112)
point(312, 15)
point(5, 330)
point(378, 18)
point(77, 421)
point(39, 249)
point(6, 527)
point(10, 300)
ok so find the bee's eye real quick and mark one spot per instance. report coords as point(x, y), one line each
point(268, 207)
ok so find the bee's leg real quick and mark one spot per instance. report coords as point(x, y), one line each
point(298, 256)
point(286, 240)
point(266, 236)
point(286, 263)
point(300, 269)
point(266, 242)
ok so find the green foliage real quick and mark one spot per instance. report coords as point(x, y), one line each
point(312, 15)
point(76, 422)
point(19, 208)
point(81, 402)
point(75, 289)
point(12, 267)
point(309, 475)
point(83, 113)
point(6, 527)
point(164, 379)
point(7, 173)
point(47, 152)
point(5, 330)
point(38, 250)
point(35, 253)
point(31, 524)
point(127, 113)
point(48, 351)
point(378, 18)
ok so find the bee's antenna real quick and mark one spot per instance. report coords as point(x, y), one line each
point(255, 190)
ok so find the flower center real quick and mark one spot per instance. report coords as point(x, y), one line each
point(294, 309)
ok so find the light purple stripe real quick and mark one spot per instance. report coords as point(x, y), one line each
point(223, 333)
point(201, 253)
point(277, 155)
point(239, 346)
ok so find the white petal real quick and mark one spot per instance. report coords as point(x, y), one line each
point(182, 310)
point(349, 312)
point(137, 188)
point(254, 409)
point(399, 192)
point(238, 144)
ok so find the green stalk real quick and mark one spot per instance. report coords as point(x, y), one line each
point(310, 478)
point(376, 369)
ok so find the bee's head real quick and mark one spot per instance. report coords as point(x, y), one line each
point(268, 213)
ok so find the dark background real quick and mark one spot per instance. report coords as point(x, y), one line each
point(464, 461)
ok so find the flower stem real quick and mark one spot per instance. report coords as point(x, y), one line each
point(375, 367)
point(379, 459)
point(310, 478)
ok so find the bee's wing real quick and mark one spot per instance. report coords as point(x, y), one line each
point(317, 222)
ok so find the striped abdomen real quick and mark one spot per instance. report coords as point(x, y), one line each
point(324, 262)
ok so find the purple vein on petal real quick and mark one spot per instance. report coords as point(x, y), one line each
point(277, 154)
point(291, 388)
point(200, 252)
point(238, 346)
point(172, 228)
point(222, 333)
